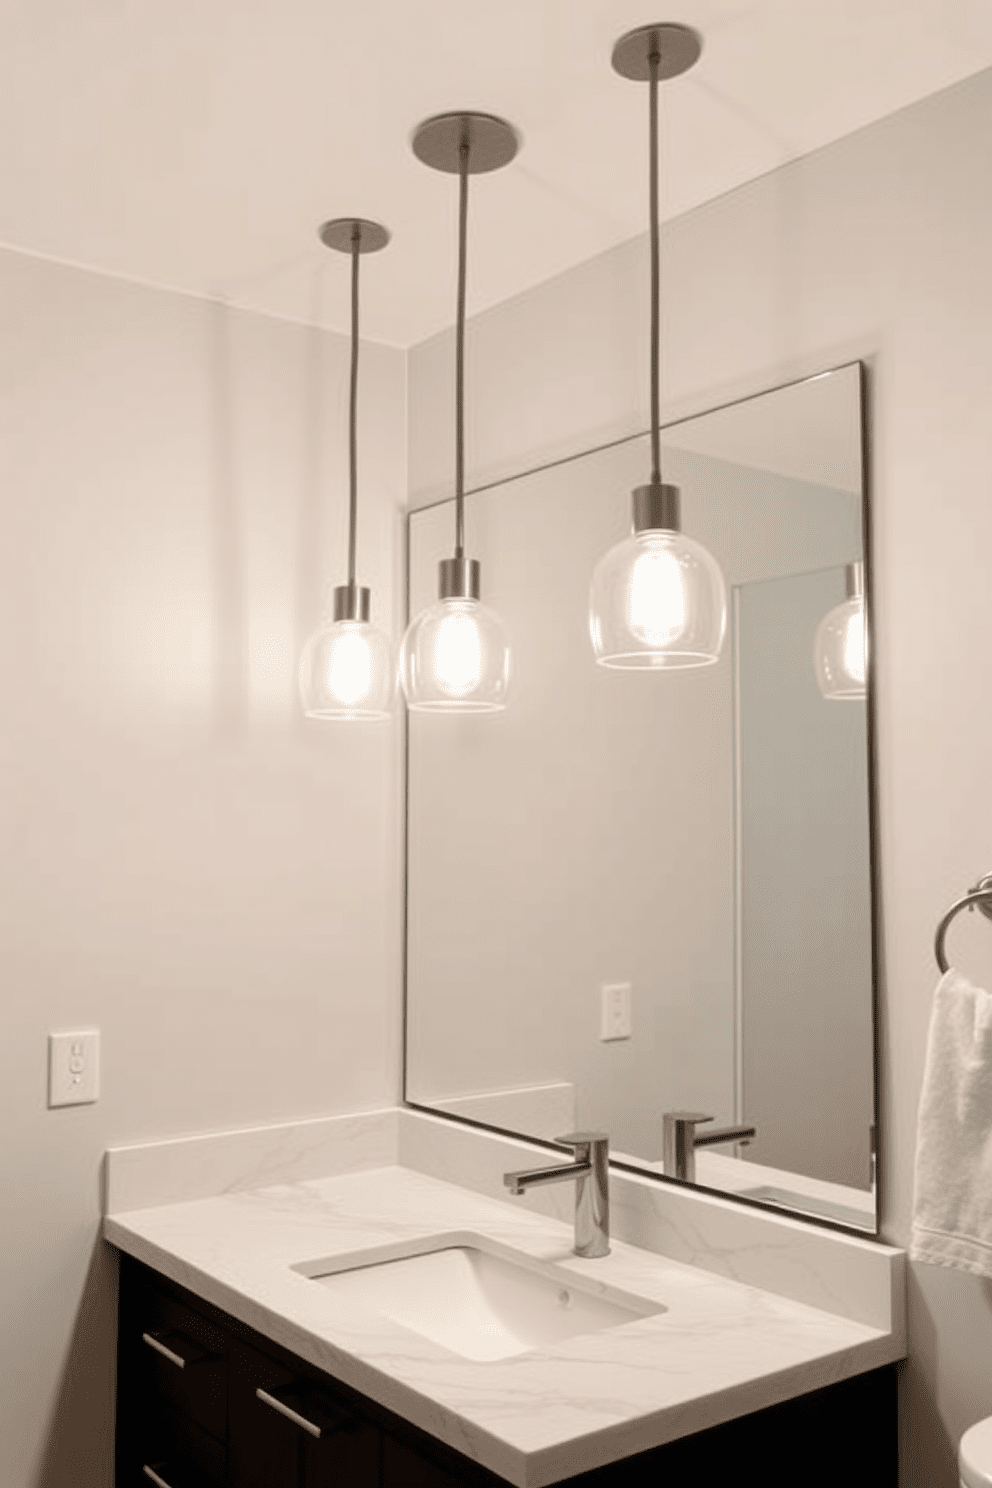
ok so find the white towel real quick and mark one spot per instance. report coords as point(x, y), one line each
point(952, 1202)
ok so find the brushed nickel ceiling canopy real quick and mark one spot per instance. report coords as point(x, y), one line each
point(676, 47)
point(345, 234)
point(492, 142)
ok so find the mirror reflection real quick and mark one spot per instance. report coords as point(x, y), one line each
point(637, 894)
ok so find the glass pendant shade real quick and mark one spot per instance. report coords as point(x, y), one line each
point(840, 651)
point(346, 671)
point(455, 658)
point(657, 600)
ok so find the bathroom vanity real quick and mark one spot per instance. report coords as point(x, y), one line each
point(241, 1411)
point(242, 1362)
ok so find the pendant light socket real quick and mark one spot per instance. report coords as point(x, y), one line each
point(657, 506)
point(854, 580)
point(459, 578)
point(352, 602)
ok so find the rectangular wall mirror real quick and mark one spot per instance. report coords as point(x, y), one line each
point(700, 839)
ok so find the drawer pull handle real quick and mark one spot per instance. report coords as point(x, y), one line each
point(150, 1472)
point(166, 1353)
point(290, 1415)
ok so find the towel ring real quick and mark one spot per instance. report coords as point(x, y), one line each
point(980, 897)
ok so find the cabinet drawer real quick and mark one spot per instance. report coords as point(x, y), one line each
point(289, 1431)
point(169, 1448)
point(180, 1357)
point(345, 1458)
point(402, 1467)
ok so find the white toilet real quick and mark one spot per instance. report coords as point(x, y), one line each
point(975, 1455)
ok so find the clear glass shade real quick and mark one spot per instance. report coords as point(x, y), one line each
point(455, 658)
point(347, 672)
point(657, 600)
point(840, 651)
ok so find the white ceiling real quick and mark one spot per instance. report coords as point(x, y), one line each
point(198, 144)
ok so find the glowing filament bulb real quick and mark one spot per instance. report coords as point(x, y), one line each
point(657, 598)
point(349, 673)
point(457, 655)
point(854, 647)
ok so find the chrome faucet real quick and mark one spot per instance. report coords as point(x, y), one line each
point(591, 1174)
point(680, 1140)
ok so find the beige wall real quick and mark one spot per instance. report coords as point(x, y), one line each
point(184, 862)
point(876, 247)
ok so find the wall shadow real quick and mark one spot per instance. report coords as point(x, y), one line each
point(79, 1446)
point(927, 1455)
point(311, 565)
point(230, 661)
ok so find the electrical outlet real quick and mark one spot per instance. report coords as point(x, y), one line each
point(73, 1068)
point(614, 1011)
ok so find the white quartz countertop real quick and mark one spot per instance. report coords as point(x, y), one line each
point(720, 1350)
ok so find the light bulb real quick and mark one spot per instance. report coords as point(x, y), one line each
point(349, 673)
point(657, 598)
point(854, 647)
point(457, 655)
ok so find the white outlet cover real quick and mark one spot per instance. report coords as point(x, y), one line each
point(73, 1068)
point(615, 1011)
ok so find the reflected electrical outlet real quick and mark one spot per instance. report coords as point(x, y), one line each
point(614, 1011)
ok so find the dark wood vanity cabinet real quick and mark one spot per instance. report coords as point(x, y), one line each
point(205, 1402)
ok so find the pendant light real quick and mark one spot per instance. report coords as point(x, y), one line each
point(346, 667)
point(455, 656)
point(840, 651)
point(657, 599)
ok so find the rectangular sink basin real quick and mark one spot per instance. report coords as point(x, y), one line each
point(475, 1297)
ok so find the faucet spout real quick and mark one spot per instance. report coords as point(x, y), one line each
point(519, 1183)
point(591, 1174)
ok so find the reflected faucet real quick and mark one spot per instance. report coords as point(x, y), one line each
point(680, 1140)
point(591, 1173)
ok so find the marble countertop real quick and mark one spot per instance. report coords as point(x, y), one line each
point(721, 1349)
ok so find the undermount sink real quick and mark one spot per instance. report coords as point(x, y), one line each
point(477, 1298)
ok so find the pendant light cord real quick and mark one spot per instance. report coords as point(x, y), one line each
point(653, 61)
point(356, 239)
point(463, 151)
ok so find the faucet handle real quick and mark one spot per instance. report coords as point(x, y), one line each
point(585, 1142)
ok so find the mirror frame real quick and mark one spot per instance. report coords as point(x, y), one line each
point(864, 388)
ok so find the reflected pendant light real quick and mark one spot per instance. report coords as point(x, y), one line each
point(657, 599)
point(840, 651)
point(346, 667)
point(455, 656)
